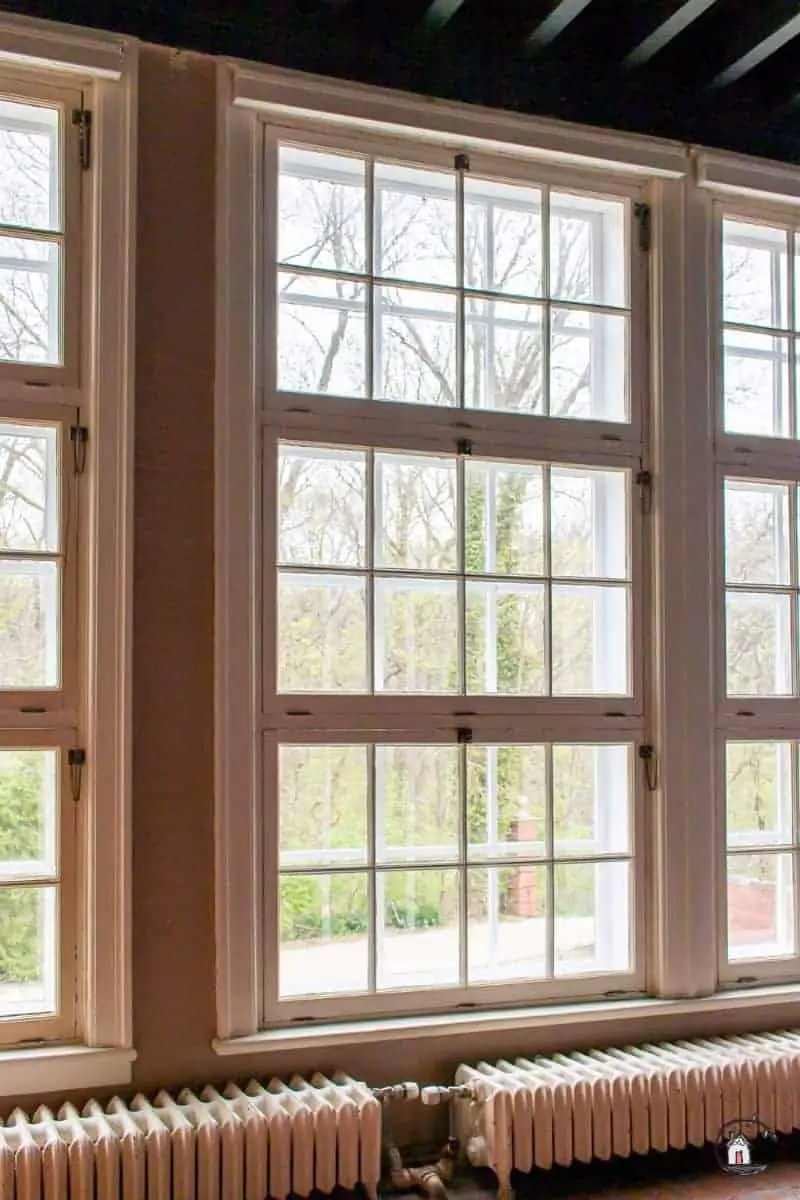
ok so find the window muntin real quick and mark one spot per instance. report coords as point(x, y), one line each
point(438, 866)
point(426, 287)
point(760, 316)
point(435, 574)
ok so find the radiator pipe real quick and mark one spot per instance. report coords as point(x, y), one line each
point(429, 1179)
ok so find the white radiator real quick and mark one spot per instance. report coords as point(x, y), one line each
point(577, 1107)
point(231, 1145)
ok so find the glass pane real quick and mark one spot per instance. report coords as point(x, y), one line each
point(415, 346)
point(587, 250)
point(502, 237)
point(323, 805)
point(415, 520)
point(418, 929)
point(29, 494)
point(28, 951)
point(755, 284)
point(322, 341)
point(758, 644)
point(417, 803)
point(505, 638)
point(416, 635)
point(591, 800)
point(592, 917)
point(324, 947)
point(504, 356)
point(588, 365)
point(590, 641)
point(507, 923)
point(756, 383)
point(588, 523)
point(29, 183)
point(322, 211)
point(30, 618)
point(415, 232)
point(28, 814)
point(322, 506)
point(758, 788)
point(760, 906)
point(756, 532)
point(30, 301)
point(504, 519)
point(322, 633)
point(506, 801)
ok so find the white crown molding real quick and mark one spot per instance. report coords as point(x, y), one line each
point(289, 95)
point(742, 175)
point(32, 43)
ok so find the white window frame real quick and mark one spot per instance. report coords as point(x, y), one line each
point(633, 165)
point(765, 194)
point(684, 821)
point(98, 1050)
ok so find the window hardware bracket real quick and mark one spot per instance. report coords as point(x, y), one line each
point(82, 120)
point(79, 436)
point(648, 756)
point(76, 761)
point(461, 162)
point(643, 215)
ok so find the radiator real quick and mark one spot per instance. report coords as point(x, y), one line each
point(577, 1107)
point(234, 1144)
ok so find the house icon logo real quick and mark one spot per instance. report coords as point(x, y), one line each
point(738, 1151)
point(735, 1148)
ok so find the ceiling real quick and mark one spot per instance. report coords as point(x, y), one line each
point(721, 72)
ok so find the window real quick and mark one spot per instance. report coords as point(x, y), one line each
point(513, 706)
point(64, 558)
point(39, 537)
point(451, 599)
point(761, 682)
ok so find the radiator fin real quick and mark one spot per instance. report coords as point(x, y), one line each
point(266, 1141)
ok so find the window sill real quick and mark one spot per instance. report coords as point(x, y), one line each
point(36, 1070)
point(587, 1017)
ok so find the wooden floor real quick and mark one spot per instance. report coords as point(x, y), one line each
point(656, 1177)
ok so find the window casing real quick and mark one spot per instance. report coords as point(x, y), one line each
point(65, 556)
point(40, 539)
point(495, 348)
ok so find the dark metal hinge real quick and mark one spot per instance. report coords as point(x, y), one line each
point(461, 162)
point(643, 216)
point(82, 120)
point(644, 481)
point(464, 446)
point(648, 756)
point(464, 736)
point(76, 761)
point(79, 436)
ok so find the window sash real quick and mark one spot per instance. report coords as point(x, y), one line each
point(27, 87)
point(277, 1010)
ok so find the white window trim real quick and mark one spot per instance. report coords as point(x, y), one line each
point(108, 64)
point(684, 833)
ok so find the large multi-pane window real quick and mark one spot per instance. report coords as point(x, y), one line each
point(39, 519)
point(759, 685)
point(452, 607)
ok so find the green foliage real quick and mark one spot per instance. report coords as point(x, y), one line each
point(21, 837)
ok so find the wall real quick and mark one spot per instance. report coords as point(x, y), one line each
point(173, 936)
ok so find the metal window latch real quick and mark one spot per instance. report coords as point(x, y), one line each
point(648, 756)
point(76, 761)
point(79, 436)
point(643, 215)
point(82, 120)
